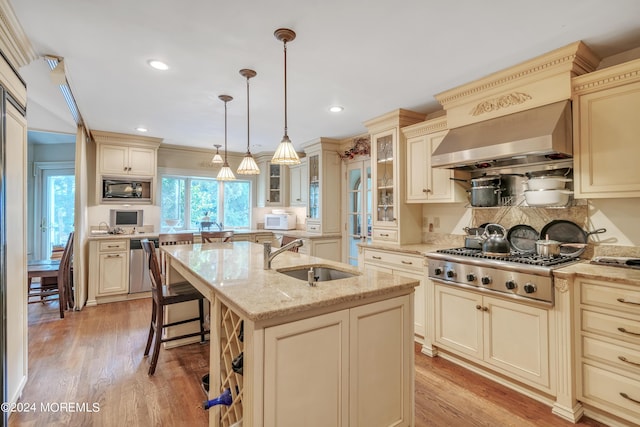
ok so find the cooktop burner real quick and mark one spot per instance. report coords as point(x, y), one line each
point(518, 257)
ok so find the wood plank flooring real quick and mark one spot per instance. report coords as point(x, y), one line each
point(95, 356)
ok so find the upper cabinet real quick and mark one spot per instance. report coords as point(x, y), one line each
point(298, 183)
point(394, 221)
point(323, 191)
point(424, 183)
point(272, 183)
point(606, 130)
point(126, 155)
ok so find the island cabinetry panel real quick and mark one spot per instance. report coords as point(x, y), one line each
point(424, 183)
point(510, 338)
point(333, 353)
point(394, 221)
point(608, 347)
point(109, 268)
point(407, 265)
point(606, 129)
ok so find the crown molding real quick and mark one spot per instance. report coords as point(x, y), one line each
point(616, 75)
point(14, 43)
point(104, 137)
point(425, 128)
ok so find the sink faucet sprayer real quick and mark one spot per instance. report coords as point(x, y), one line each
point(269, 256)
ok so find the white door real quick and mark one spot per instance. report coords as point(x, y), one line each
point(358, 207)
point(55, 220)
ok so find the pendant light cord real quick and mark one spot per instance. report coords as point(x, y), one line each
point(285, 89)
point(225, 133)
point(248, 149)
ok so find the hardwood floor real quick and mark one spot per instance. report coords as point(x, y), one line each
point(95, 356)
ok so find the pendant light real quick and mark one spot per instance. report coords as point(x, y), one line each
point(285, 153)
point(225, 174)
point(248, 166)
point(217, 158)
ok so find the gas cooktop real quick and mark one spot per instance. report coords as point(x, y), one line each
point(517, 257)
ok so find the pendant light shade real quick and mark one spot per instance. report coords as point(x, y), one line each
point(285, 153)
point(248, 166)
point(225, 174)
point(217, 158)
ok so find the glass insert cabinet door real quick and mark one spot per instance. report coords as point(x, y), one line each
point(385, 165)
point(358, 207)
point(314, 186)
point(274, 183)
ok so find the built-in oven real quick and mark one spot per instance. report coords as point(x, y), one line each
point(118, 190)
point(139, 280)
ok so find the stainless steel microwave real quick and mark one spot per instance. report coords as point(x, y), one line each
point(128, 190)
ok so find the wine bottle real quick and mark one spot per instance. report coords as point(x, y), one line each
point(224, 399)
point(237, 363)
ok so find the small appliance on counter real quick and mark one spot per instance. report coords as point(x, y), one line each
point(617, 261)
point(280, 220)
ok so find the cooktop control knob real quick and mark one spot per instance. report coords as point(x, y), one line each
point(471, 277)
point(486, 280)
point(511, 284)
point(438, 271)
point(451, 274)
point(530, 288)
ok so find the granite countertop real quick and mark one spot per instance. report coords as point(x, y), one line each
point(306, 235)
point(146, 235)
point(599, 272)
point(235, 272)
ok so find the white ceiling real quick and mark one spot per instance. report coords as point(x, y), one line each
point(370, 56)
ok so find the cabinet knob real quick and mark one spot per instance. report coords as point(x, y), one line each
point(426, 190)
point(485, 308)
point(478, 307)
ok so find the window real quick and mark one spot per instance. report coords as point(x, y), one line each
point(187, 201)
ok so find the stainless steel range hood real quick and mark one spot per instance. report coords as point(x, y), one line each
point(533, 136)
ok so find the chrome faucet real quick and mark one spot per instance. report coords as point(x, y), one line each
point(269, 256)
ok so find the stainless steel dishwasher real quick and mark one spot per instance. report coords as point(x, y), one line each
point(139, 280)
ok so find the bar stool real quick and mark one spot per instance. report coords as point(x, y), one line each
point(162, 296)
point(216, 236)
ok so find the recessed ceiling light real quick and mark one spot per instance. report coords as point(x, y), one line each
point(336, 108)
point(158, 65)
point(141, 129)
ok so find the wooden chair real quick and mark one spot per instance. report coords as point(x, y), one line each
point(172, 239)
point(216, 236)
point(162, 296)
point(289, 239)
point(55, 279)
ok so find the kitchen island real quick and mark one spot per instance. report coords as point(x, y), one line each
point(338, 353)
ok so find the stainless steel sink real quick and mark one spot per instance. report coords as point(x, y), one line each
point(320, 274)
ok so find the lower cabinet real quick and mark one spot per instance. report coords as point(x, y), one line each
point(511, 338)
point(407, 265)
point(331, 369)
point(608, 347)
point(253, 237)
point(109, 271)
point(318, 246)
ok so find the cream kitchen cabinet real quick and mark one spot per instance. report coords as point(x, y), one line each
point(323, 171)
point(109, 270)
point(608, 347)
point(313, 350)
point(407, 265)
point(327, 247)
point(424, 183)
point(606, 129)
point(394, 221)
point(298, 183)
point(122, 154)
point(510, 338)
point(272, 183)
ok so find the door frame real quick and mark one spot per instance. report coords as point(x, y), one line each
point(39, 169)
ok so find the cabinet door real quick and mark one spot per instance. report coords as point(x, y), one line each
point(113, 159)
point(516, 339)
point(114, 273)
point(606, 141)
point(380, 361)
point(384, 176)
point(417, 174)
point(419, 301)
point(459, 320)
point(142, 161)
point(440, 187)
point(306, 369)
point(314, 187)
point(298, 185)
point(327, 249)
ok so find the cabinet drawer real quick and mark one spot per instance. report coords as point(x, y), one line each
point(617, 297)
point(385, 235)
point(606, 389)
point(611, 326)
point(396, 259)
point(314, 228)
point(623, 357)
point(113, 246)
